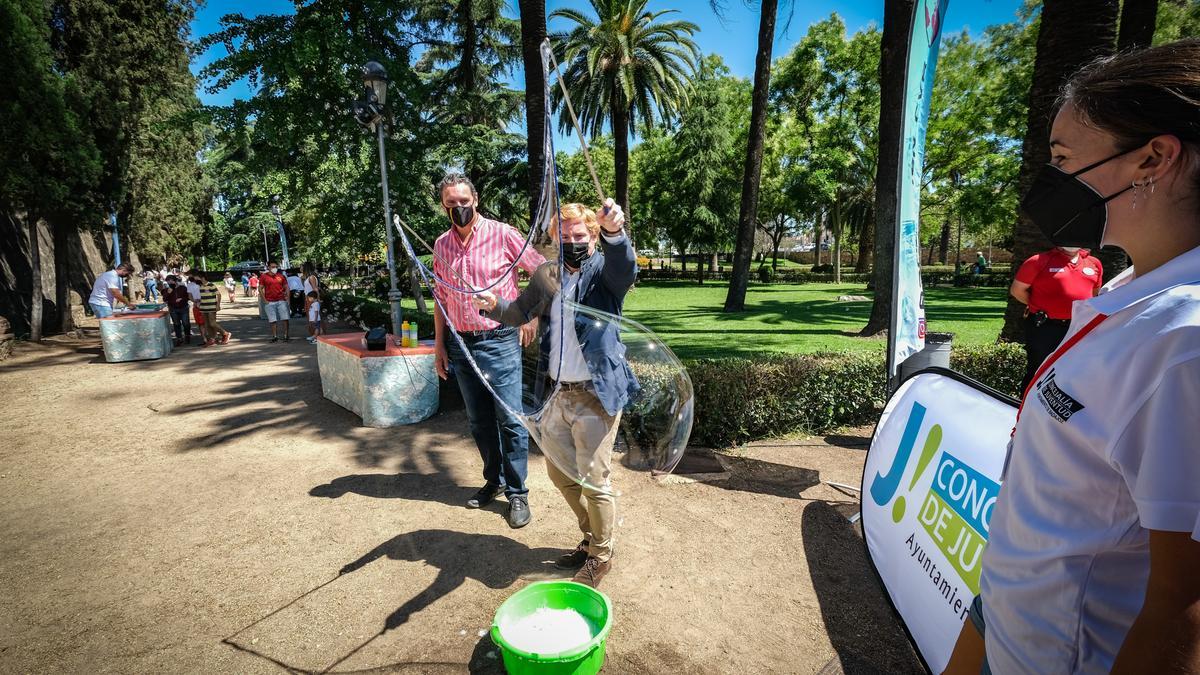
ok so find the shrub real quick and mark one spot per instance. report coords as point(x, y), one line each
point(999, 366)
point(367, 312)
point(745, 399)
point(740, 400)
point(823, 269)
point(765, 274)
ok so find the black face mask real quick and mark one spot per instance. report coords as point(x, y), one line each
point(1066, 209)
point(461, 216)
point(574, 254)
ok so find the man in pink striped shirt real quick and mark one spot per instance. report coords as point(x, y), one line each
point(477, 252)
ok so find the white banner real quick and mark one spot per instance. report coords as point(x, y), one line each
point(908, 315)
point(930, 481)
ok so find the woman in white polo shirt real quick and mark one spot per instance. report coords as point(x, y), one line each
point(1093, 563)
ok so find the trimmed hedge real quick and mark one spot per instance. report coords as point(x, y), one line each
point(999, 366)
point(740, 400)
point(764, 274)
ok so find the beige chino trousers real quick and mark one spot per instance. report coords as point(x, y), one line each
point(580, 435)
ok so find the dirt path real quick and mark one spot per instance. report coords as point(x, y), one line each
point(192, 514)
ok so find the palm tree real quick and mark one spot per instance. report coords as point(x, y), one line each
point(1072, 33)
point(626, 67)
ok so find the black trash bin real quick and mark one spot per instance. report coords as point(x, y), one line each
point(935, 353)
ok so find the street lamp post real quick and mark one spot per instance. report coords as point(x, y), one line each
point(368, 110)
point(287, 262)
point(266, 251)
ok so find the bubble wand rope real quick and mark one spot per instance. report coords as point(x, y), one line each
point(587, 156)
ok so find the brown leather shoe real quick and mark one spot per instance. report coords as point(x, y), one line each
point(575, 559)
point(592, 572)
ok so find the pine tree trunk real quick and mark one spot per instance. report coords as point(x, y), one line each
point(735, 301)
point(897, 23)
point(1072, 33)
point(866, 245)
point(533, 32)
point(35, 267)
point(62, 275)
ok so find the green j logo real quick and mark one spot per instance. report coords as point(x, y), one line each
point(932, 441)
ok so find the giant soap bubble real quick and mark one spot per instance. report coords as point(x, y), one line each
point(591, 380)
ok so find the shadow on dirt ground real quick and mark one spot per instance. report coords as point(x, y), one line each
point(457, 557)
point(864, 630)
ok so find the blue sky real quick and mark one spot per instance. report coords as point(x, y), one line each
point(734, 38)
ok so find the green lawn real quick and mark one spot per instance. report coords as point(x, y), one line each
point(796, 318)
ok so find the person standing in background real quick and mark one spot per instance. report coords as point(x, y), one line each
point(296, 299)
point(1048, 284)
point(150, 281)
point(311, 284)
point(210, 304)
point(254, 284)
point(176, 297)
point(245, 285)
point(275, 295)
point(193, 290)
point(230, 286)
point(107, 290)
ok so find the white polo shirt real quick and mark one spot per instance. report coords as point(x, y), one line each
point(1106, 449)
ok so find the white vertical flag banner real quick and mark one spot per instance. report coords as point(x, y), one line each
point(930, 482)
point(908, 313)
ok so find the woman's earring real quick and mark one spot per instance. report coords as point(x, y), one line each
point(1136, 189)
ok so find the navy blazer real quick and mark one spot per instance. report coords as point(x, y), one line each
point(603, 282)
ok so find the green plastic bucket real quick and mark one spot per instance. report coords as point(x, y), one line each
point(582, 660)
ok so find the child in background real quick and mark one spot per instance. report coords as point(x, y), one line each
point(230, 285)
point(314, 317)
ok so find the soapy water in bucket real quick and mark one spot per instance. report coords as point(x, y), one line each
point(640, 400)
point(548, 631)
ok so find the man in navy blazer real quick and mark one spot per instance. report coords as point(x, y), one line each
point(589, 377)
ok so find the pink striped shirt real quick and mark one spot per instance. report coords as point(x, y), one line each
point(490, 251)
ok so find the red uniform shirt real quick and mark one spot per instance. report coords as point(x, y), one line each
point(1055, 283)
point(274, 287)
